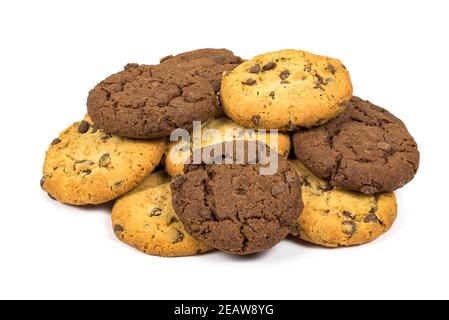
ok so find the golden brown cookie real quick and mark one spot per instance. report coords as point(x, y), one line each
point(84, 165)
point(227, 130)
point(334, 217)
point(144, 219)
point(286, 90)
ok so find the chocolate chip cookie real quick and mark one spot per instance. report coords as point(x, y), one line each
point(85, 165)
point(365, 149)
point(286, 90)
point(145, 101)
point(334, 217)
point(144, 219)
point(231, 206)
point(206, 63)
point(224, 129)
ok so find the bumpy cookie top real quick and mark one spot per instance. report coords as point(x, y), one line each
point(84, 165)
point(334, 217)
point(233, 208)
point(364, 149)
point(285, 90)
point(144, 219)
point(145, 101)
point(206, 63)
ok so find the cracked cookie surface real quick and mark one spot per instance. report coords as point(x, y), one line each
point(286, 90)
point(365, 149)
point(227, 130)
point(85, 165)
point(147, 102)
point(334, 217)
point(232, 207)
point(206, 63)
point(145, 219)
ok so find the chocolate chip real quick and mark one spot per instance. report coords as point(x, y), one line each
point(320, 79)
point(55, 141)
point(155, 212)
point(320, 82)
point(94, 128)
point(78, 163)
point(87, 172)
point(249, 82)
point(117, 87)
point(83, 127)
point(255, 120)
point(295, 229)
point(308, 68)
point(131, 65)
point(348, 227)
point(330, 68)
point(105, 160)
point(384, 146)
point(276, 190)
point(254, 68)
point(106, 137)
point(179, 237)
point(370, 217)
point(269, 66)
point(272, 94)
point(43, 181)
point(118, 228)
point(284, 74)
point(348, 214)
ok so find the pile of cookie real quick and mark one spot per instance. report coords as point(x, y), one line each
point(337, 158)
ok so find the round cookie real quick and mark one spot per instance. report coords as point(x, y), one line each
point(207, 63)
point(286, 90)
point(151, 101)
point(144, 219)
point(227, 130)
point(84, 165)
point(365, 149)
point(334, 217)
point(231, 206)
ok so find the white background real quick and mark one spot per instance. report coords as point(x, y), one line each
point(53, 52)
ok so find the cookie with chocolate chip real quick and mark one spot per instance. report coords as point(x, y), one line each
point(217, 131)
point(150, 102)
point(85, 165)
point(335, 217)
point(286, 90)
point(145, 219)
point(365, 149)
point(237, 206)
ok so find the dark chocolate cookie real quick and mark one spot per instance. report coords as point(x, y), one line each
point(145, 101)
point(206, 63)
point(365, 149)
point(232, 207)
